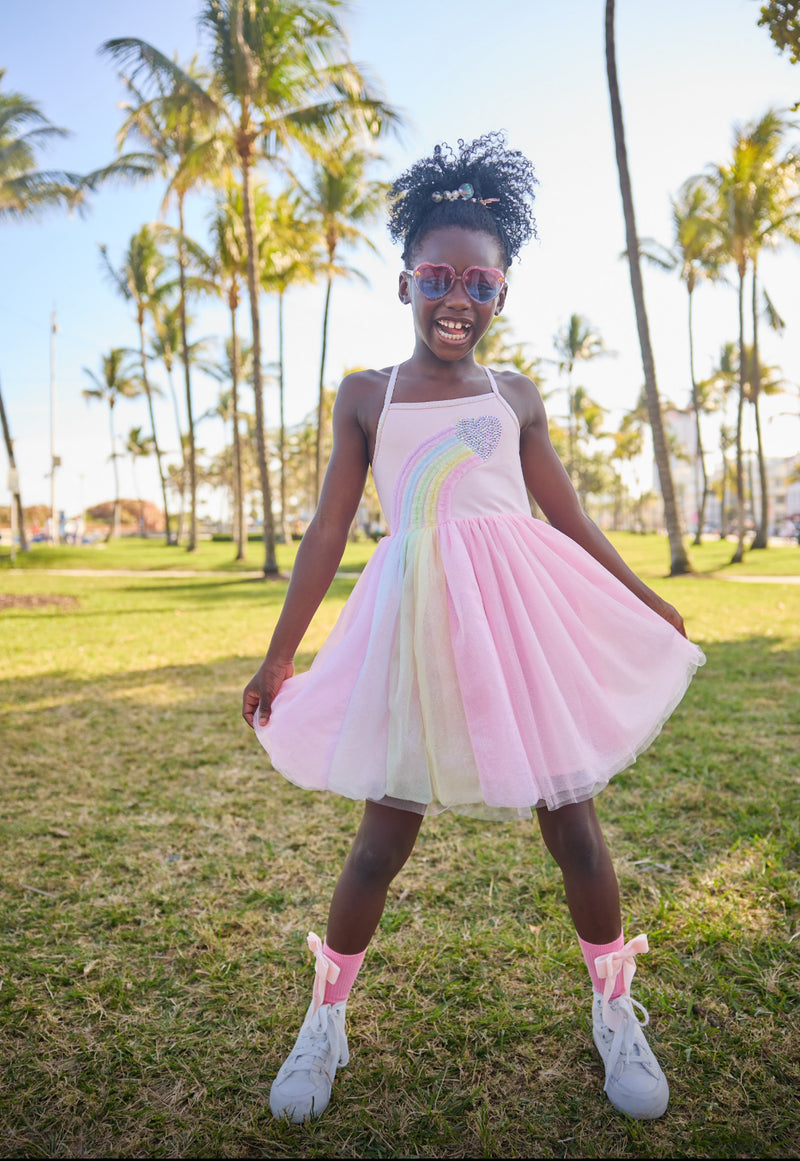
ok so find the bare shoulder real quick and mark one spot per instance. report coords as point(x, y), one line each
point(360, 399)
point(522, 395)
point(365, 383)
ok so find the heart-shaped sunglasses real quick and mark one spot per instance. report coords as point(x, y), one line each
point(435, 280)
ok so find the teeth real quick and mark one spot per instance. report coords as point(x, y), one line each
point(452, 325)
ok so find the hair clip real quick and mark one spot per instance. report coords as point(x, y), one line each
point(465, 192)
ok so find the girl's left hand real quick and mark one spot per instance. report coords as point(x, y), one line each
point(260, 691)
point(669, 613)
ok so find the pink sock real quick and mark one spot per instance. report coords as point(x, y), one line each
point(348, 970)
point(591, 951)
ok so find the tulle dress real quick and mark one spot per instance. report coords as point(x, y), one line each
point(484, 662)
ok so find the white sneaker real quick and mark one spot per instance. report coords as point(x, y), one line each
point(302, 1088)
point(635, 1083)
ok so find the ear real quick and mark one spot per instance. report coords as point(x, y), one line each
point(501, 299)
point(404, 289)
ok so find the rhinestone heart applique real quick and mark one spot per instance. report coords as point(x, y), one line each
point(481, 434)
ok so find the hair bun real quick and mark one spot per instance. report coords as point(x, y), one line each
point(433, 193)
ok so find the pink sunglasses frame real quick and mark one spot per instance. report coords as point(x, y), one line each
point(455, 278)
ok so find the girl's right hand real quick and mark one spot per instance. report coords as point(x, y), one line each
point(262, 689)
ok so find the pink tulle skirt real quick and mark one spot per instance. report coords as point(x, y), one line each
point(485, 665)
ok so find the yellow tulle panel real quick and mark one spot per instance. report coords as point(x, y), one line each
point(429, 750)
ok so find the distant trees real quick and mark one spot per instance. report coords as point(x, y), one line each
point(118, 379)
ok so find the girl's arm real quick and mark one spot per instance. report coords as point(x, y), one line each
point(319, 553)
point(552, 489)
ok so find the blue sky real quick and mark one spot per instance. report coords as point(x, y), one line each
point(688, 70)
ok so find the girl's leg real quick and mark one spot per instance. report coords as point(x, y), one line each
point(635, 1083)
point(382, 845)
point(574, 839)
point(385, 839)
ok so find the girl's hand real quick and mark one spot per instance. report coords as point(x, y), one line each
point(262, 688)
point(669, 613)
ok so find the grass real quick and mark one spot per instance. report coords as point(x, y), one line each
point(157, 881)
point(138, 555)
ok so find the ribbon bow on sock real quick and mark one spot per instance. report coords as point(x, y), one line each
point(325, 971)
point(610, 965)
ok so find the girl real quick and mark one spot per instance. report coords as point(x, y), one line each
point(486, 662)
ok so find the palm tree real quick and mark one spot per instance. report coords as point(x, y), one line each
point(291, 257)
point(172, 126)
point(140, 280)
point(138, 446)
point(628, 444)
point(236, 366)
point(117, 380)
point(758, 206)
point(679, 560)
point(16, 497)
point(576, 342)
point(26, 193)
point(281, 77)
point(228, 263)
point(340, 202)
point(496, 349)
point(697, 254)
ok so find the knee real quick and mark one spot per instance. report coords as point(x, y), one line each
point(375, 865)
point(575, 841)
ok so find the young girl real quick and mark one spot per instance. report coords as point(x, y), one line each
point(486, 662)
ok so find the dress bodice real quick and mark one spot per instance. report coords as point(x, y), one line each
point(448, 459)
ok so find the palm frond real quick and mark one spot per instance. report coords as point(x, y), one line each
point(142, 59)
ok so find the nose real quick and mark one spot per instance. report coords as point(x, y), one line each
point(457, 294)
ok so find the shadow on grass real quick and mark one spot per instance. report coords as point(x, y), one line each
point(159, 881)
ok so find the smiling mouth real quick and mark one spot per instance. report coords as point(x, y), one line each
point(452, 331)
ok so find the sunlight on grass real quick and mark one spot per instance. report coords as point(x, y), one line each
point(158, 880)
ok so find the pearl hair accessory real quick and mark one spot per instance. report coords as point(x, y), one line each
point(464, 192)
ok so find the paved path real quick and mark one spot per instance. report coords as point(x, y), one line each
point(764, 580)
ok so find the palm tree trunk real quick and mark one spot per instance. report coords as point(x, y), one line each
point(181, 507)
point(16, 497)
point(150, 412)
point(723, 448)
point(762, 531)
point(284, 524)
point(679, 561)
point(701, 483)
point(739, 553)
point(270, 565)
point(321, 396)
point(192, 545)
point(114, 529)
point(238, 492)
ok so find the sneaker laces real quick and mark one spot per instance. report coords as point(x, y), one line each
point(308, 1053)
point(628, 1046)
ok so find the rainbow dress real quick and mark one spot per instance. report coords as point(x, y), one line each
point(484, 662)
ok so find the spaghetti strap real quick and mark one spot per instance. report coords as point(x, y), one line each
point(386, 401)
point(501, 398)
point(492, 381)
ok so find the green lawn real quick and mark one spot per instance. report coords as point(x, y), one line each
point(139, 555)
point(158, 881)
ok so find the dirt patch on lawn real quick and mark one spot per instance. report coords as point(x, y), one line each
point(36, 601)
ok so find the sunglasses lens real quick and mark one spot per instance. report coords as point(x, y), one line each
point(483, 284)
point(434, 281)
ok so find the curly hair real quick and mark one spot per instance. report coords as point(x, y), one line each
point(492, 170)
